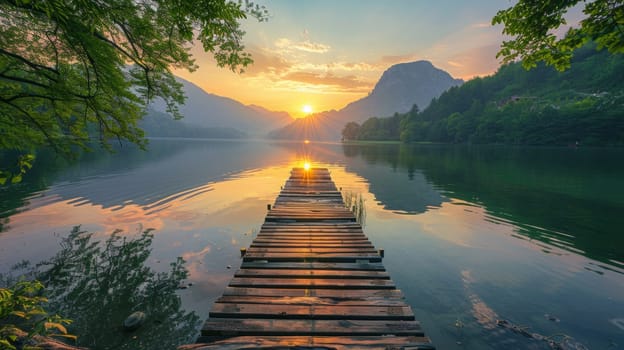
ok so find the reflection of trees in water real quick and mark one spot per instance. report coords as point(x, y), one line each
point(49, 168)
point(98, 284)
point(515, 185)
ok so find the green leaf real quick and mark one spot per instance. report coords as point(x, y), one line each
point(19, 314)
point(6, 345)
point(54, 325)
point(66, 336)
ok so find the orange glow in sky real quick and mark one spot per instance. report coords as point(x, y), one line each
point(307, 62)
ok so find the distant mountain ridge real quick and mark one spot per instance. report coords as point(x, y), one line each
point(399, 88)
point(206, 110)
point(581, 106)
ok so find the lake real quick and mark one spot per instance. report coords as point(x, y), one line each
point(493, 247)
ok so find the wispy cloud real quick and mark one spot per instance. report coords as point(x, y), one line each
point(267, 62)
point(309, 46)
point(390, 60)
point(350, 82)
point(304, 45)
point(478, 61)
point(481, 25)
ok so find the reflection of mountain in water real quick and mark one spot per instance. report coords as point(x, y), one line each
point(399, 189)
point(147, 177)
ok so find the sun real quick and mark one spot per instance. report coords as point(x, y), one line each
point(307, 109)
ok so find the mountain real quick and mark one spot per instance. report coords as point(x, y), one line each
point(583, 105)
point(160, 124)
point(399, 88)
point(207, 110)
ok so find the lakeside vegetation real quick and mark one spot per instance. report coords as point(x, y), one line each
point(581, 106)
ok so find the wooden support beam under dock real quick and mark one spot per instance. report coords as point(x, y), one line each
point(311, 279)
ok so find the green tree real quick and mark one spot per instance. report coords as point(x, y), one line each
point(73, 68)
point(351, 131)
point(22, 315)
point(533, 24)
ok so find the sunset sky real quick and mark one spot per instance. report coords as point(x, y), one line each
point(327, 53)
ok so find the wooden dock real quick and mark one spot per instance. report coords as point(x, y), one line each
point(311, 279)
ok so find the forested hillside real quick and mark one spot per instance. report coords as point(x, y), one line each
point(583, 105)
point(159, 124)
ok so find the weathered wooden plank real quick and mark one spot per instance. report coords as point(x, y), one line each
point(309, 231)
point(309, 196)
point(346, 294)
point(307, 283)
point(292, 229)
point(326, 257)
point(314, 213)
point(277, 212)
point(311, 235)
point(307, 250)
point(310, 187)
point(328, 180)
point(319, 216)
point(311, 180)
point(311, 238)
point(293, 201)
point(301, 252)
point(316, 342)
point(308, 219)
point(316, 226)
point(299, 207)
point(370, 301)
point(316, 273)
point(309, 202)
point(353, 239)
point(308, 208)
point(318, 236)
point(314, 201)
point(310, 175)
point(346, 267)
point(319, 213)
point(268, 327)
point(316, 172)
point(311, 312)
point(296, 198)
point(281, 239)
point(286, 230)
point(311, 244)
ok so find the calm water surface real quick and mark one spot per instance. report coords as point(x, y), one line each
point(472, 235)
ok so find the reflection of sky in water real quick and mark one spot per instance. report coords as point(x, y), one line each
point(455, 260)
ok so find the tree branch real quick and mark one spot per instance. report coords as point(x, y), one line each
point(21, 96)
point(23, 80)
point(37, 125)
point(28, 62)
